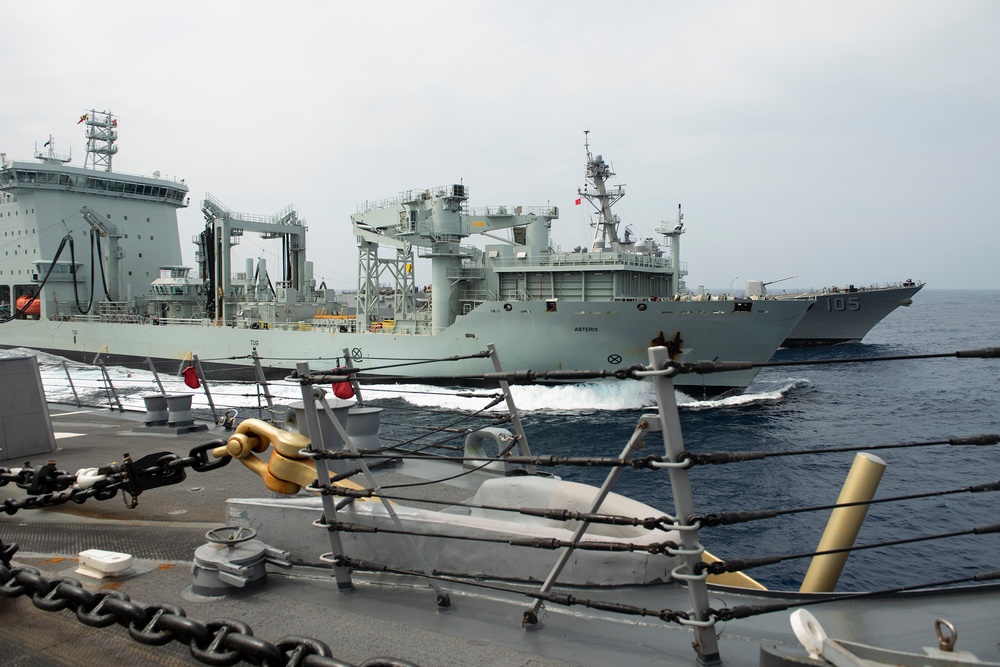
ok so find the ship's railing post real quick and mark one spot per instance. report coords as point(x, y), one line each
point(349, 365)
point(345, 442)
point(706, 643)
point(204, 384)
point(515, 416)
point(340, 572)
point(109, 387)
point(531, 616)
point(76, 396)
point(262, 381)
point(156, 375)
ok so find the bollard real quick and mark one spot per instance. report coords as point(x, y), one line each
point(295, 420)
point(179, 407)
point(156, 410)
point(362, 427)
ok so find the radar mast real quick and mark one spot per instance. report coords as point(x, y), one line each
point(50, 156)
point(598, 172)
point(102, 133)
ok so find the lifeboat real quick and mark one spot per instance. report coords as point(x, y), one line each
point(34, 308)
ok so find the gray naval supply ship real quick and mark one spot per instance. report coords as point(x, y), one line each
point(136, 304)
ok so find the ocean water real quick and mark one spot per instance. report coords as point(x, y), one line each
point(855, 405)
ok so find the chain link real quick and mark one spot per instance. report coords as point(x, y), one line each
point(47, 486)
point(216, 642)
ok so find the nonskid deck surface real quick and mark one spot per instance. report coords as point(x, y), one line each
point(394, 616)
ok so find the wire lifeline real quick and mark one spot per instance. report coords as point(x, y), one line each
point(326, 377)
point(664, 522)
point(722, 458)
point(745, 611)
point(750, 563)
point(566, 600)
point(669, 548)
point(546, 460)
point(729, 518)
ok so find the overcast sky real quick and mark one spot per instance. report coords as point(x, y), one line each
point(842, 142)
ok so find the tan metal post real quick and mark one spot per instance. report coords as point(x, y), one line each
point(844, 524)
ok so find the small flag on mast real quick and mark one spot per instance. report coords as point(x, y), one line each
point(578, 200)
point(82, 118)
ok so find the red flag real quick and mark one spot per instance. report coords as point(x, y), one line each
point(191, 377)
point(343, 390)
point(578, 201)
point(82, 118)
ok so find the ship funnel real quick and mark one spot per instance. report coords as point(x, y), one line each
point(261, 275)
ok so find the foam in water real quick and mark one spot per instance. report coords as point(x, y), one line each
point(758, 393)
point(601, 395)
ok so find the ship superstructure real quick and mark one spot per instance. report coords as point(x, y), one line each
point(52, 214)
point(543, 309)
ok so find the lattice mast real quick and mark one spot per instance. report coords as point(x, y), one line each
point(102, 133)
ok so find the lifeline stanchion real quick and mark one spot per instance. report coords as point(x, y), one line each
point(515, 416)
point(109, 387)
point(156, 376)
point(706, 644)
point(76, 397)
point(204, 384)
point(530, 617)
point(341, 573)
point(349, 366)
point(262, 381)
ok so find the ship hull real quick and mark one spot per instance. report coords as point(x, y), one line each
point(845, 317)
point(527, 335)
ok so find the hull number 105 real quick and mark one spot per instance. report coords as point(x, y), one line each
point(842, 303)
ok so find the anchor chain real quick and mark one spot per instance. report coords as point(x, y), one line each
point(215, 642)
point(288, 469)
point(47, 486)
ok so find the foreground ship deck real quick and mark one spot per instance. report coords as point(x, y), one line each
point(392, 613)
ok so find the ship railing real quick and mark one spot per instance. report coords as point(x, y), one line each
point(477, 296)
point(850, 289)
point(182, 321)
point(596, 259)
point(122, 318)
point(414, 194)
point(284, 216)
point(541, 211)
point(118, 312)
point(463, 272)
